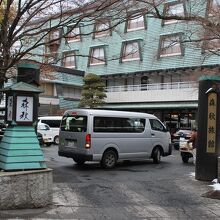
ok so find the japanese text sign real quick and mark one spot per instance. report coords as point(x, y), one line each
point(24, 110)
point(211, 123)
point(10, 108)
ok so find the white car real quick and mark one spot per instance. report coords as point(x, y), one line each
point(47, 133)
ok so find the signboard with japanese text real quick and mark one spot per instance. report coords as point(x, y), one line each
point(10, 108)
point(24, 110)
point(211, 123)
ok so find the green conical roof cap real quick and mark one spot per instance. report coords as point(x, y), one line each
point(22, 86)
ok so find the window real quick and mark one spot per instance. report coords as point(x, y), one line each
point(43, 127)
point(69, 60)
point(51, 58)
point(53, 123)
point(173, 9)
point(214, 7)
point(131, 51)
point(54, 36)
point(52, 43)
point(136, 22)
point(119, 125)
point(69, 92)
point(48, 89)
point(157, 125)
point(212, 43)
point(73, 35)
point(97, 56)
point(170, 46)
point(102, 29)
point(74, 123)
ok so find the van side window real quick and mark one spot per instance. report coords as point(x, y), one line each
point(116, 124)
point(43, 127)
point(52, 123)
point(74, 123)
point(156, 125)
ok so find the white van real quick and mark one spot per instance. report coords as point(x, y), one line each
point(54, 124)
point(109, 136)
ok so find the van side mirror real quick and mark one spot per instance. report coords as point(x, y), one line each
point(165, 129)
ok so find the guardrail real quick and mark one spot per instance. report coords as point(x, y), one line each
point(153, 86)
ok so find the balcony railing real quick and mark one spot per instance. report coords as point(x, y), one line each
point(153, 86)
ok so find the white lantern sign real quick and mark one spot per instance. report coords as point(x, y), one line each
point(24, 110)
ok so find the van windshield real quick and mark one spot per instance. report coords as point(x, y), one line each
point(74, 123)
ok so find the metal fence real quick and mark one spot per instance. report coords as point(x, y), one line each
point(153, 86)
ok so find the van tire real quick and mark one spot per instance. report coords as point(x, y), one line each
point(56, 140)
point(109, 159)
point(156, 155)
point(185, 157)
point(79, 161)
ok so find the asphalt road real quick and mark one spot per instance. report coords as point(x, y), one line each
point(134, 190)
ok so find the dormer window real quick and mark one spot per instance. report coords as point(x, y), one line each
point(174, 9)
point(102, 29)
point(212, 43)
point(136, 22)
point(69, 60)
point(130, 51)
point(54, 35)
point(214, 7)
point(170, 46)
point(52, 42)
point(97, 56)
point(73, 35)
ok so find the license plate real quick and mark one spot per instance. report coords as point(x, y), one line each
point(70, 144)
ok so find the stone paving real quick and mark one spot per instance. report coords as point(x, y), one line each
point(136, 191)
point(68, 204)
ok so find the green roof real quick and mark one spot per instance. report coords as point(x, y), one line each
point(67, 79)
point(209, 78)
point(22, 86)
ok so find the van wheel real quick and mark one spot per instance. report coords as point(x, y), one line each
point(56, 140)
point(185, 158)
point(156, 155)
point(109, 159)
point(79, 161)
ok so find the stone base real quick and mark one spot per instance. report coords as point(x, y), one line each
point(26, 189)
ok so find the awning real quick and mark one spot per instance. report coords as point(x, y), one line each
point(164, 105)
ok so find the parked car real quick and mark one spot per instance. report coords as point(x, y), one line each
point(183, 134)
point(54, 123)
point(47, 133)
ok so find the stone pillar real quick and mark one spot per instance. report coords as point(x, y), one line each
point(208, 146)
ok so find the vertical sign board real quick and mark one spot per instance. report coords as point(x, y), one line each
point(24, 110)
point(211, 123)
point(10, 108)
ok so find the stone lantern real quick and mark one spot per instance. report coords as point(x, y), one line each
point(19, 148)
